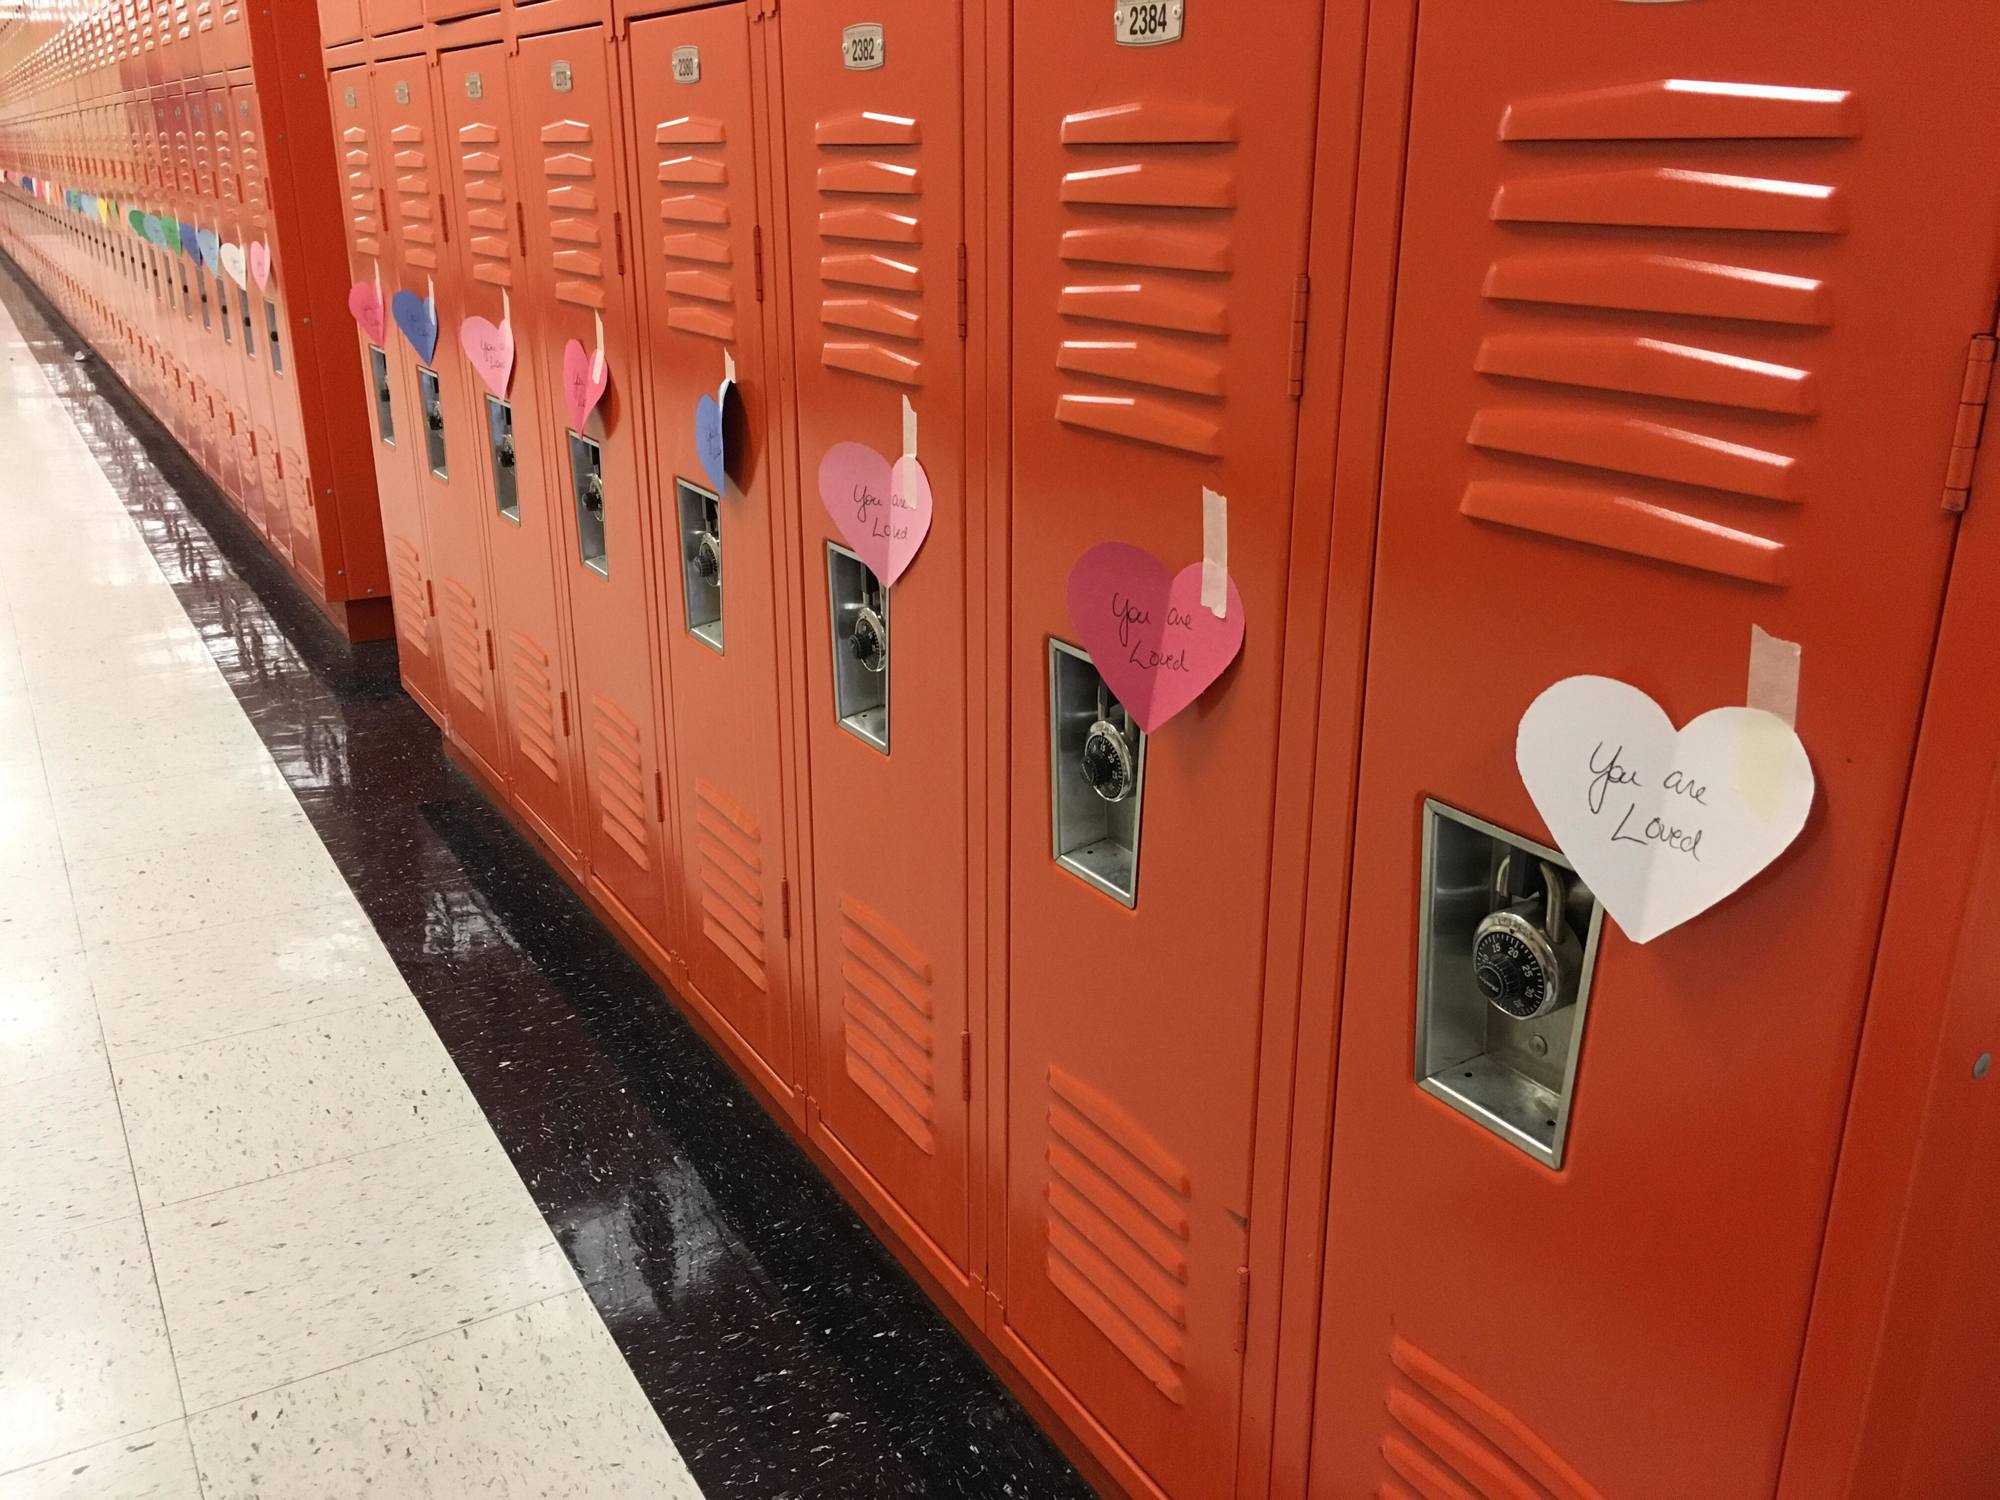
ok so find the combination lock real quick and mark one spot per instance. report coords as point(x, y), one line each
point(434, 415)
point(1109, 767)
point(593, 494)
point(869, 640)
point(506, 451)
point(708, 558)
point(1525, 967)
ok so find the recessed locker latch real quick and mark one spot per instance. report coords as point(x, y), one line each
point(1973, 392)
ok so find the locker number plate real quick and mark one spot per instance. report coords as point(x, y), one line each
point(402, 93)
point(861, 47)
point(475, 86)
point(349, 99)
point(560, 77)
point(687, 65)
point(1148, 25)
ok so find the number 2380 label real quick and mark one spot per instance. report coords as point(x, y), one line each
point(1148, 24)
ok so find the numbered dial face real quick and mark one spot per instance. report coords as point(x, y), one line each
point(1107, 763)
point(1513, 970)
point(870, 642)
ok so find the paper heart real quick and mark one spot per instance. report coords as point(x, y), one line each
point(260, 264)
point(211, 250)
point(190, 239)
point(169, 231)
point(883, 510)
point(1660, 824)
point(1148, 634)
point(413, 314)
point(364, 300)
point(490, 347)
point(581, 392)
point(235, 265)
point(137, 219)
point(709, 444)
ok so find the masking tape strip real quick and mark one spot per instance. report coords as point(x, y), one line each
point(506, 310)
point(1214, 552)
point(909, 429)
point(728, 368)
point(597, 354)
point(1774, 675)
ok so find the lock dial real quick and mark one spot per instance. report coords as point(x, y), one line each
point(708, 557)
point(1107, 762)
point(1516, 968)
point(869, 640)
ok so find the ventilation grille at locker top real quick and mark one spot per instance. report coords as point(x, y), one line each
point(870, 179)
point(1118, 1230)
point(488, 226)
point(576, 217)
point(696, 178)
point(416, 207)
point(888, 1026)
point(250, 163)
point(1147, 204)
point(1665, 240)
point(1447, 1440)
point(729, 844)
point(356, 153)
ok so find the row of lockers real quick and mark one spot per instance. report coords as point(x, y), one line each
point(1513, 362)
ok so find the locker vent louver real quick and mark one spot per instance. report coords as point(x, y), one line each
point(225, 154)
point(406, 596)
point(489, 226)
point(298, 500)
point(619, 766)
point(1447, 1438)
point(1148, 200)
point(870, 179)
point(416, 208)
point(355, 156)
point(464, 643)
point(575, 220)
point(694, 177)
point(250, 160)
point(531, 703)
point(888, 1026)
point(1118, 1230)
point(1601, 367)
point(730, 846)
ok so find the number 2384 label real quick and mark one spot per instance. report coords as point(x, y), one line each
point(1148, 24)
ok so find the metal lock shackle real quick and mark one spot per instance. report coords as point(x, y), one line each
point(1553, 895)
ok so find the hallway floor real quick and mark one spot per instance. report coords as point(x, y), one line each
point(342, 1150)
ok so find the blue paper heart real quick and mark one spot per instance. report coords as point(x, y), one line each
point(413, 315)
point(190, 242)
point(211, 250)
point(709, 443)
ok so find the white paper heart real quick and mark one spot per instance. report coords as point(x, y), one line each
point(1661, 824)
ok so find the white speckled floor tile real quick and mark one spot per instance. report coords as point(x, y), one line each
point(83, 1351)
point(112, 750)
point(298, 1274)
point(48, 1017)
point(238, 795)
point(536, 1402)
point(156, 1464)
point(35, 903)
point(222, 1113)
point(63, 1163)
point(147, 893)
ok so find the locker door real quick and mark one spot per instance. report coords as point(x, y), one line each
point(235, 371)
point(564, 108)
point(386, 16)
point(366, 168)
point(694, 138)
point(1666, 363)
point(443, 444)
point(339, 21)
point(230, 45)
point(519, 488)
point(1161, 195)
point(274, 401)
point(876, 199)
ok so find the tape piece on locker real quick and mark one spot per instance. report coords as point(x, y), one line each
point(883, 510)
point(1146, 629)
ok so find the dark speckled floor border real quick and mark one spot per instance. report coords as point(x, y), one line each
point(786, 1352)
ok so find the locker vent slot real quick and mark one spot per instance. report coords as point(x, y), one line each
point(1631, 315)
point(617, 765)
point(250, 161)
point(1447, 1437)
point(575, 224)
point(299, 500)
point(361, 200)
point(406, 596)
point(694, 175)
point(489, 221)
point(464, 643)
point(531, 703)
point(871, 184)
point(730, 846)
point(415, 206)
point(1149, 189)
point(888, 1028)
point(1118, 1230)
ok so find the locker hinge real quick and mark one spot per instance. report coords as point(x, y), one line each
point(618, 238)
point(563, 697)
point(1295, 374)
point(382, 209)
point(961, 289)
point(1972, 396)
point(491, 665)
point(660, 796)
point(521, 224)
point(757, 257)
point(965, 1065)
point(1242, 1309)
point(431, 596)
point(785, 907)
point(444, 220)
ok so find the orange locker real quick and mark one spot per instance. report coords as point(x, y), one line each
point(873, 141)
point(241, 378)
point(1658, 372)
point(339, 21)
point(1160, 202)
point(367, 168)
point(695, 149)
point(430, 275)
point(564, 106)
point(511, 433)
point(386, 16)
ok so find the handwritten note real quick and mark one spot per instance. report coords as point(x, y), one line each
point(489, 347)
point(883, 511)
point(1148, 634)
point(586, 375)
point(1660, 823)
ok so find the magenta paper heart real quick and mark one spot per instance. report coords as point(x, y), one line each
point(580, 392)
point(883, 511)
point(260, 264)
point(364, 300)
point(490, 347)
point(1148, 633)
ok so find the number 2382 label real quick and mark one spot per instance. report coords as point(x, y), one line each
point(861, 46)
point(1148, 24)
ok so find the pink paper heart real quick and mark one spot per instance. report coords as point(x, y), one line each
point(364, 300)
point(1148, 634)
point(490, 347)
point(581, 393)
point(260, 264)
point(884, 512)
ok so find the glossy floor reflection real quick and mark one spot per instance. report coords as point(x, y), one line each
point(783, 1349)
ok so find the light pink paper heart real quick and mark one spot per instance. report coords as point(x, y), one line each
point(580, 393)
point(260, 264)
point(883, 511)
point(490, 347)
point(1147, 632)
point(364, 300)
